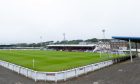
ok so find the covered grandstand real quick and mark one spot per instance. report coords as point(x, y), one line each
point(136, 40)
point(3, 47)
point(7, 46)
point(64, 47)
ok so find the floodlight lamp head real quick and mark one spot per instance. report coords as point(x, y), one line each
point(103, 30)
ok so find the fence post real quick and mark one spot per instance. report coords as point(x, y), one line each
point(85, 69)
point(45, 77)
point(92, 67)
point(76, 73)
point(13, 67)
point(8, 65)
point(19, 70)
point(65, 77)
point(27, 73)
point(35, 75)
point(98, 66)
point(56, 77)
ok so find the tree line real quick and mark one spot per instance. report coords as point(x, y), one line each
point(92, 40)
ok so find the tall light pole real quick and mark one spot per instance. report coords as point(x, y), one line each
point(103, 34)
point(103, 37)
point(103, 43)
point(64, 35)
point(41, 40)
point(64, 40)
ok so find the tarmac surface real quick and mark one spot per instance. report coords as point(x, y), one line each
point(121, 73)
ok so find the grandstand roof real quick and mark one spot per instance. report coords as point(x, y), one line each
point(126, 38)
point(72, 45)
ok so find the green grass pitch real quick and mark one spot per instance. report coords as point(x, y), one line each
point(51, 61)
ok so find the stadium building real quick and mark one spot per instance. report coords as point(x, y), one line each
point(118, 44)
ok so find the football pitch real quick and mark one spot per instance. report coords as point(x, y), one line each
point(51, 61)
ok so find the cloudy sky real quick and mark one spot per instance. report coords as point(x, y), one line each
point(27, 20)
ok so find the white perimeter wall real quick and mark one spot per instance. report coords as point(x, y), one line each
point(54, 76)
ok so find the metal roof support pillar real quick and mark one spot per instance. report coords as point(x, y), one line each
point(130, 50)
point(136, 49)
